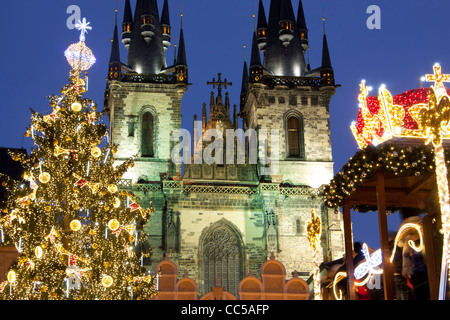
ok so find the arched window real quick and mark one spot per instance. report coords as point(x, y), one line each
point(222, 259)
point(147, 135)
point(295, 138)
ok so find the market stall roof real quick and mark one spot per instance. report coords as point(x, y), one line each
point(409, 174)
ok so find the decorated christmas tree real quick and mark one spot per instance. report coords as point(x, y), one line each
point(75, 231)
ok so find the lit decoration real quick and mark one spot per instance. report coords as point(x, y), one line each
point(314, 231)
point(52, 116)
point(430, 121)
point(76, 106)
point(56, 216)
point(112, 188)
point(44, 177)
point(339, 276)
point(11, 276)
point(96, 152)
point(38, 252)
point(113, 224)
point(78, 55)
point(75, 225)
point(364, 271)
point(401, 233)
point(107, 281)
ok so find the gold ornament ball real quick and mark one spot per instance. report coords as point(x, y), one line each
point(11, 276)
point(44, 177)
point(38, 252)
point(75, 225)
point(96, 152)
point(112, 188)
point(76, 106)
point(107, 281)
point(113, 224)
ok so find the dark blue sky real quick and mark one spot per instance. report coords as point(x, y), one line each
point(413, 36)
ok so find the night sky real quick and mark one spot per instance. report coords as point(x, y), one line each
point(413, 36)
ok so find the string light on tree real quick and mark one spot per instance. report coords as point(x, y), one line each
point(57, 220)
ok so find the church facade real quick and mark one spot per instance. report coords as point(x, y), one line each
point(219, 214)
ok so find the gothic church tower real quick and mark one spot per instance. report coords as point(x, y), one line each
point(143, 101)
point(143, 96)
point(281, 92)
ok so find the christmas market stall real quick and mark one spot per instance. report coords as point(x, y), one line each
point(402, 166)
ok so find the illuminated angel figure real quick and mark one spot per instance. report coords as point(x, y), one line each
point(369, 267)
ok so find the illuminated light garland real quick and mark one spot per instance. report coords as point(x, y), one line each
point(314, 232)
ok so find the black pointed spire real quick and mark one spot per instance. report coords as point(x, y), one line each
point(127, 24)
point(327, 72)
point(283, 54)
point(262, 22)
point(115, 66)
point(255, 59)
point(165, 25)
point(244, 87)
point(301, 21)
point(181, 58)
point(165, 17)
point(127, 14)
point(326, 60)
point(115, 50)
point(256, 69)
point(146, 53)
point(302, 28)
point(261, 31)
point(181, 68)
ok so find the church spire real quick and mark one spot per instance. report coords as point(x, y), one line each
point(284, 54)
point(256, 69)
point(327, 70)
point(114, 60)
point(181, 68)
point(127, 24)
point(165, 25)
point(326, 60)
point(146, 50)
point(301, 25)
point(261, 30)
point(244, 87)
